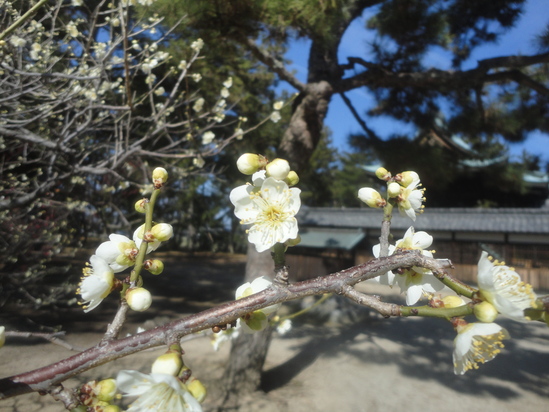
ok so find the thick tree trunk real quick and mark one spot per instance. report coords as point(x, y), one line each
point(305, 128)
point(243, 373)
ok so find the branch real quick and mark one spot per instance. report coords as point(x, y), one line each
point(435, 79)
point(371, 134)
point(276, 65)
point(44, 378)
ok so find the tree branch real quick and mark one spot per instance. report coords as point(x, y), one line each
point(276, 65)
point(435, 79)
point(44, 378)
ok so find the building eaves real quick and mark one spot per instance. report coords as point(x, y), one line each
point(504, 220)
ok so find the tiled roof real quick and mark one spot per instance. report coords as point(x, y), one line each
point(505, 220)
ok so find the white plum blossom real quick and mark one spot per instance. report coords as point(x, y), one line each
point(275, 116)
point(17, 41)
point(284, 327)
point(278, 105)
point(208, 137)
point(96, 284)
point(119, 252)
point(503, 288)
point(199, 104)
point(258, 320)
point(477, 343)
point(199, 162)
point(415, 281)
point(270, 210)
point(410, 200)
point(138, 238)
point(156, 392)
point(228, 83)
point(197, 45)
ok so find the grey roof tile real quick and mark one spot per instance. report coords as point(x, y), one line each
point(506, 220)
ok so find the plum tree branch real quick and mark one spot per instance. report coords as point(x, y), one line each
point(43, 379)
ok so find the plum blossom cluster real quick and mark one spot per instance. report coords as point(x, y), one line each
point(403, 191)
point(120, 253)
point(500, 290)
point(268, 203)
point(169, 387)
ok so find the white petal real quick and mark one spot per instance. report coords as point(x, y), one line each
point(422, 240)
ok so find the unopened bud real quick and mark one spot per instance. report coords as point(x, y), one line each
point(162, 232)
point(155, 266)
point(407, 178)
point(278, 169)
point(249, 163)
point(452, 301)
point(111, 408)
point(485, 312)
point(393, 189)
point(169, 363)
point(139, 299)
point(106, 390)
point(160, 176)
point(371, 197)
point(383, 174)
point(141, 205)
point(197, 390)
point(292, 179)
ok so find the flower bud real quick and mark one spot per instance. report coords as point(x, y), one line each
point(155, 266)
point(278, 169)
point(371, 197)
point(160, 176)
point(250, 163)
point(170, 363)
point(139, 299)
point(407, 178)
point(292, 179)
point(106, 390)
point(383, 174)
point(452, 301)
point(141, 205)
point(485, 312)
point(393, 189)
point(162, 232)
point(197, 390)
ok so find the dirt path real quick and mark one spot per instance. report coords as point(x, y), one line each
point(336, 359)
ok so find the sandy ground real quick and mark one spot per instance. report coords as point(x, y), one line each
point(337, 359)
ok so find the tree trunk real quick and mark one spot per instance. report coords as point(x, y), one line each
point(248, 352)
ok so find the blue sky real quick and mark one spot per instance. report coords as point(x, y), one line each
point(339, 119)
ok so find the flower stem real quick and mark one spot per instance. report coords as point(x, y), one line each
point(149, 209)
